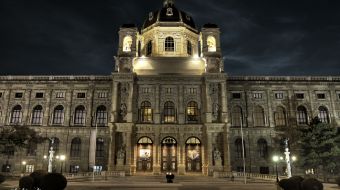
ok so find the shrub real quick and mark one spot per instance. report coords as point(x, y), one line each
point(292, 183)
point(2, 178)
point(53, 181)
point(311, 184)
point(337, 181)
point(37, 178)
point(26, 183)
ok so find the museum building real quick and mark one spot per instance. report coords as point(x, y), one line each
point(168, 106)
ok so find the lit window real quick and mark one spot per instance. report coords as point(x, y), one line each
point(16, 115)
point(169, 44)
point(146, 112)
point(323, 115)
point(189, 48)
point(301, 116)
point(101, 116)
point(60, 95)
point(37, 115)
point(127, 42)
point(257, 95)
point(192, 112)
point(149, 48)
point(279, 95)
point(211, 42)
point(80, 115)
point(74, 168)
point(58, 115)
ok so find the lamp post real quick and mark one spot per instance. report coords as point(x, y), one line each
point(276, 160)
point(62, 159)
point(23, 166)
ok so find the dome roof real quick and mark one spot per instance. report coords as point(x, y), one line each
point(169, 13)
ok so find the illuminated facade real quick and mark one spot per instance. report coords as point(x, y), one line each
point(168, 106)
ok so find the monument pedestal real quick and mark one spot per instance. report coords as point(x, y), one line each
point(120, 164)
point(218, 166)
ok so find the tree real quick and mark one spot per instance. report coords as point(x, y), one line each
point(320, 147)
point(14, 137)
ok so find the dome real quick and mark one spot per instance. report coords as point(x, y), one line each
point(169, 13)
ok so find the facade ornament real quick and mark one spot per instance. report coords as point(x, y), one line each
point(121, 152)
point(217, 155)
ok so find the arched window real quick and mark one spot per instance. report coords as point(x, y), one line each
point(211, 43)
point(55, 145)
point(75, 147)
point(100, 148)
point(169, 44)
point(16, 115)
point(189, 48)
point(262, 148)
point(101, 116)
point(236, 116)
point(32, 148)
point(37, 115)
point(149, 48)
point(193, 155)
point(280, 117)
point(301, 115)
point(238, 148)
point(58, 115)
point(323, 114)
point(169, 112)
point(192, 112)
point(145, 112)
point(79, 115)
point(258, 116)
point(127, 42)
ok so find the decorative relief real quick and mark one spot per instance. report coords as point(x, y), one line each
point(123, 64)
point(124, 97)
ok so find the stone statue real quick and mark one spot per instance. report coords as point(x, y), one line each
point(121, 153)
point(123, 111)
point(217, 155)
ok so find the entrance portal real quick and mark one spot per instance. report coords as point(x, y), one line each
point(169, 154)
point(144, 158)
point(193, 155)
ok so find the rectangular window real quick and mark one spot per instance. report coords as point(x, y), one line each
point(18, 95)
point(0, 94)
point(29, 168)
point(279, 95)
point(39, 95)
point(74, 168)
point(257, 95)
point(321, 96)
point(60, 95)
point(102, 95)
point(81, 95)
point(192, 90)
point(236, 95)
point(300, 95)
point(168, 90)
point(145, 90)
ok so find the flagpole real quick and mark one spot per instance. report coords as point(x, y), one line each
point(243, 153)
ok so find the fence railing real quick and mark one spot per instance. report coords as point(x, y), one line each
point(241, 174)
point(95, 174)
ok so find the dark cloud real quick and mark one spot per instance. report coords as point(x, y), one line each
point(264, 37)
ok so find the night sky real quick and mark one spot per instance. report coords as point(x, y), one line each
point(259, 37)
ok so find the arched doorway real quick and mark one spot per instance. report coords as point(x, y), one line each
point(193, 155)
point(144, 157)
point(169, 154)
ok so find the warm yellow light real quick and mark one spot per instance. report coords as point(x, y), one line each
point(45, 157)
point(275, 158)
point(281, 158)
point(62, 157)
point(57, 157)
point(294, 158)
point(23, 162)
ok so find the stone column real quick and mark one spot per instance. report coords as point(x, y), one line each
point(112, 148)
point(208, 152)
point(224, 102)
point(226, 149)
point(128, 154)
point(157, 114)
point(114, 113)
point(181, 153)
point(156, 154)
point(181, 112)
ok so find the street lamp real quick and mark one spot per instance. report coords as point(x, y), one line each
point(62, 159)
point(276, 160)
point(23, 166)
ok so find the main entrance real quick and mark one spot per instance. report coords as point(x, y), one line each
point(144, 158)
point(193, 155)
point(169, 154)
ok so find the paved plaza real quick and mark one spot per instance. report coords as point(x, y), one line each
point(159, 182)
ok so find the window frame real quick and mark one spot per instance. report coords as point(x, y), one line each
point(169, 44)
